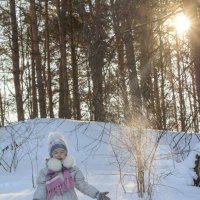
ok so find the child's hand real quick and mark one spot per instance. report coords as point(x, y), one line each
point(102, 196)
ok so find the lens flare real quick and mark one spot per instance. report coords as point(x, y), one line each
point(181, 23)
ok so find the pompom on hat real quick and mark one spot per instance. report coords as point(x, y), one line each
point(56, 140)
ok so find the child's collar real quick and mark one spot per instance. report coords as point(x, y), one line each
point(56, 165)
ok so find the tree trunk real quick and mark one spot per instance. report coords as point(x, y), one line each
point(38, 60)
point(191, 8)
point(76, 95)
point(64, 96)
point(146, 41)
point(34, 99)
point(180, 89)
point(15, 61)
point(49, 79)
point(195, 104)
point(132, 72)
point(96, 46)
point(158, 115)
point(171, 75)
point(96, 62)
point(162, 72)
point(121, 60)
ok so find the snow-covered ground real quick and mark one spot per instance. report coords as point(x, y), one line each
point(99, 149)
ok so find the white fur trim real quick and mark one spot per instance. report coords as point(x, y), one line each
point(54, 164)
point(68, 162)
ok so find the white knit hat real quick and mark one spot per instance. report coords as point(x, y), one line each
point(56, 140)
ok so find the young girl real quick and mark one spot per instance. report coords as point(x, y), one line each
point(58, 180)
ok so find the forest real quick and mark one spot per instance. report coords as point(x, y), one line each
point(121, 61)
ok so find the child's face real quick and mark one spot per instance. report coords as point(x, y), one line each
point(59, 154)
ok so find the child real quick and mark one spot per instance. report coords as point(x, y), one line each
point(58, 180)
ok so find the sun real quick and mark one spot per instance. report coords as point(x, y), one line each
point(181, 23)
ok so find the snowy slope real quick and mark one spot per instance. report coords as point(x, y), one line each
point(92, 144)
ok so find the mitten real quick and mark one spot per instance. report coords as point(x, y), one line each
point(102, 196)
